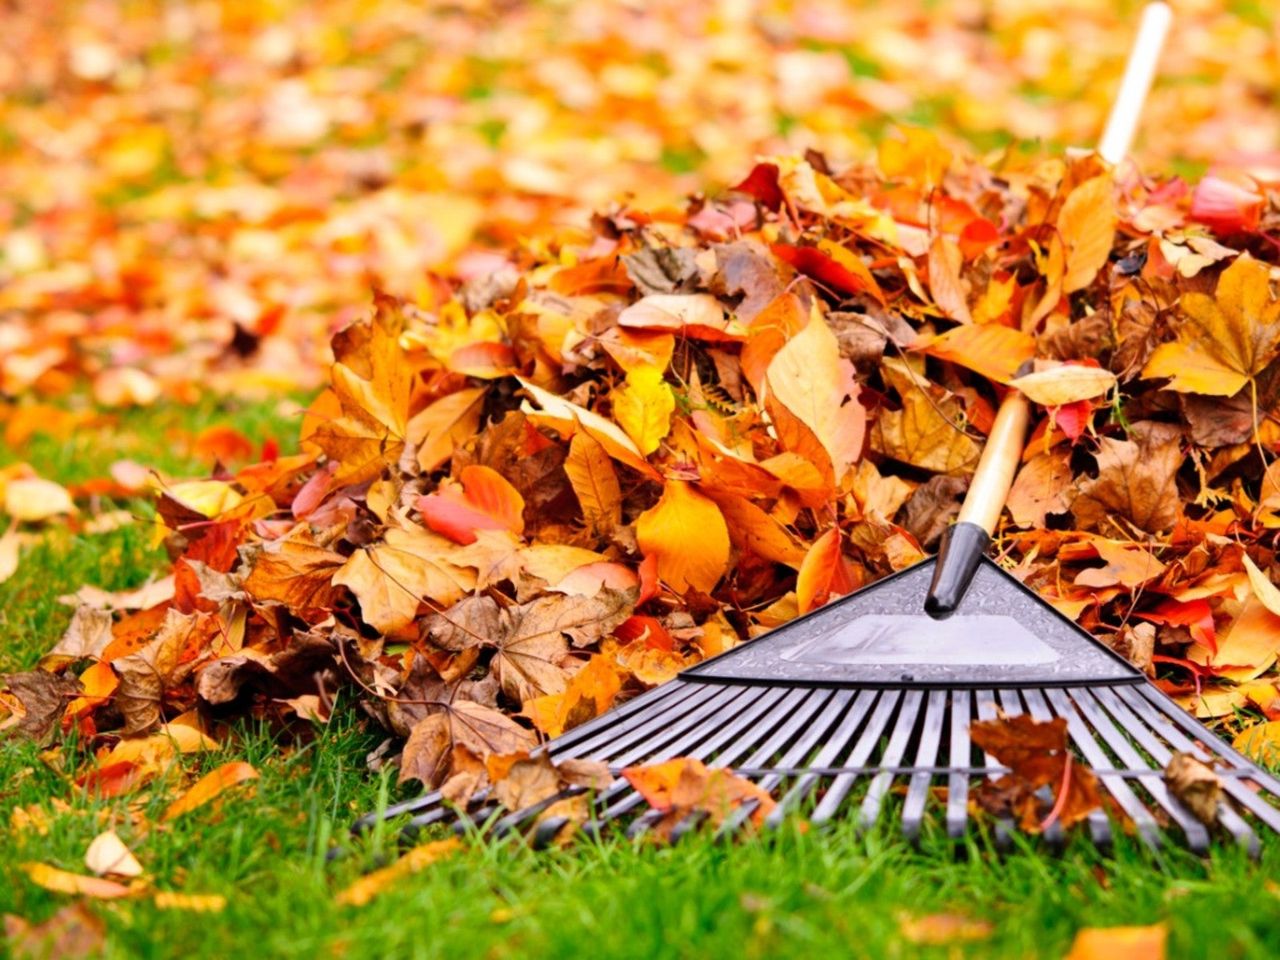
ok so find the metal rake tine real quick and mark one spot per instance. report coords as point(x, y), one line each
point(415, 805)
point(1099, 824)
point(835, 745)
point(984, 701)
point(868, 740)
point(1011, 704)
point(1167, 724)
point(793, 754)
point(926, 756)
point(908, 709)
point(1096, 757)
point(1145, 736)
point(1196, 835)
point(961, 757)
point(648, 700)
point(702, 700)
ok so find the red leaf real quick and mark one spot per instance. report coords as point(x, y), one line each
point(1227, 203)
point(1196, 615)
point(483, 501)
point(762, 183)
point(815, 264)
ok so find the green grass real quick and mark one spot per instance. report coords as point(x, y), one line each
point(794, 893)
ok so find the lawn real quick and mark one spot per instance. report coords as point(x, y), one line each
point(266, 849)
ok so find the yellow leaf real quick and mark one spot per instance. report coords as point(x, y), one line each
point(195, 902)
point(1067, 383)
point(569, 417)
point(438, 429)
point(643, 407)
point(209, 786)
point(62, 881)
point(34, 498)
point(929, 431)
point(687, 533)
point(914, 153)
point(1087, 225)
point(368, 887)
point(1250, 646)
point(1225, 340)
point(1260, 742)
point(1119, 943)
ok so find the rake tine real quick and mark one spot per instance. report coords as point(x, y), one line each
point(926, 756)
point(794, 755)
point(704, 700)
point(784, 711)
point(662, 695)
point(878, 788)
point(688, 824)
point(1160, 721)
point(1099, 825)
point(986, 704)
point(1161, 754)
point(961, 756)
point(837, 742)
point(547, 831)
point(1196, 834)
point(1011, 704)
point(369, 820)
point(866, 743)
point(1096, 757)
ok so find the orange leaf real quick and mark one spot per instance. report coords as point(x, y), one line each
point(62, 881)
point(484, 501)
point(368, 887)
point(1119, 943)
point(209, 786)
point(824, 574)
point(991, 349)
point(687, 533)
point(684, 785)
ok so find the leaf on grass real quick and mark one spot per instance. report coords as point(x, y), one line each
point(10, 548)
point(73, 931)
point(1225, 340)
point(210, 786)
point(193, 902)
point(1260, 742)
point(419, 858)
point(86, 637)
point(1119, 943)
point(687, 533)
point(940, 929)
point(107, 854)
point(41, 698)
point(77, 884)
point(32, 499)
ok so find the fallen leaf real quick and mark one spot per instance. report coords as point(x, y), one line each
point(77, 884)
point(1087, 225)
point(1119, 943)
point(107, 854)
point(684, 785)
point(1137, 480)
point(210, 786)
point(73, 931)
point(32, 499)
point(1260, 742)
point(1196, 785)
point(419, 858)
point(194, 902)
point(825, 573)
point(483, 500)
point(1064, 384)
point(643, 407)
point(940, 929)
point(595, 482)
point(687, 533)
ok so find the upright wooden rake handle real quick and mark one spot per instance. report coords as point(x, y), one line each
point(966, 541)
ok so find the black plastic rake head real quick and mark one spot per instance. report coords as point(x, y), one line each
point(837, 711)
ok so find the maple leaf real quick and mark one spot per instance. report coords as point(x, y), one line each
point(296, 572)
point(1225, 340)
point(481, 729)
point(682, 786)
point(1137, 480)
point(928, 431)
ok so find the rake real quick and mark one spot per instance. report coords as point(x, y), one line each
point(855, 702)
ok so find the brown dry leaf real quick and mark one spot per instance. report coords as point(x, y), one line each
point(595, 482)
point(107, 854)
point(295, 572)
point(1196, 785)
point(1119, 943)
point(1226, 340)
point(41, 699)
point(210, 786)
point(86, 637)
point(1127, 564)
point(480, 729)
point(392, 578)
point(687, 533)
point(419, 858)
point(929, 431)
point(72, 932)
point(161, 664)
point(1038, 755)
point(1042, 486)
point(1065, 383)
point(1137, 480)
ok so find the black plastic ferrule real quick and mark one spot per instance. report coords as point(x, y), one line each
point(961, 549)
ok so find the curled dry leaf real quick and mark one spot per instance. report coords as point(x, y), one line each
point(1193, 782)
point(107, 854)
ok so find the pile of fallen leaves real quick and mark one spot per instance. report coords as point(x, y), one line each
point(547, 490)
point(197, 196)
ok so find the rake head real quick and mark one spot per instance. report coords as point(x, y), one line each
point(836, 711)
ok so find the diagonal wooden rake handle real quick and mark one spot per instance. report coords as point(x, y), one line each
point(965, 542)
